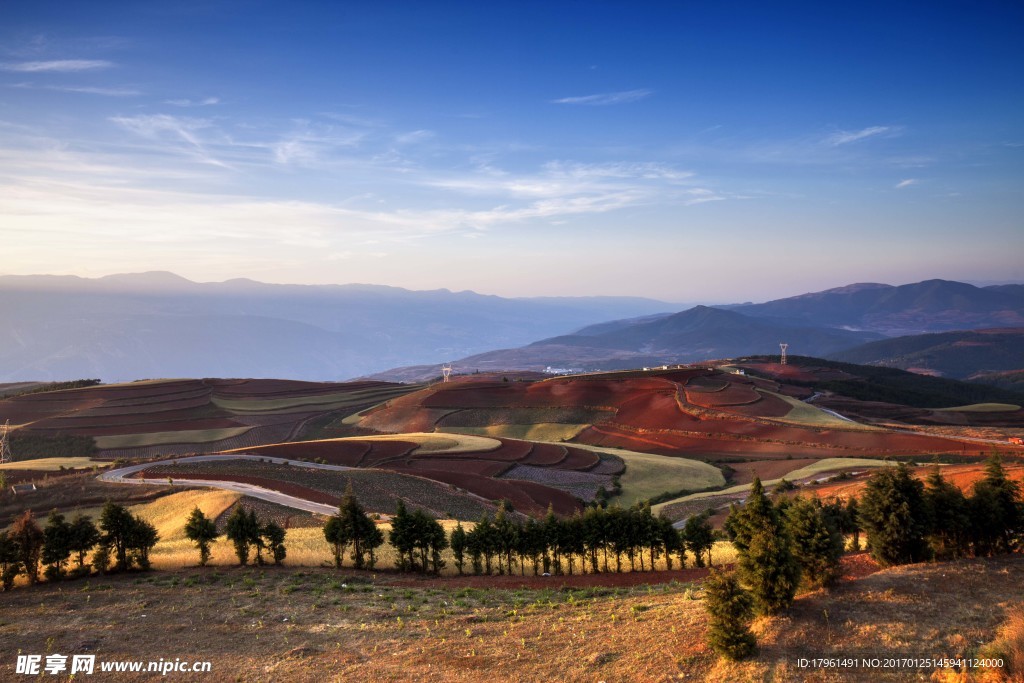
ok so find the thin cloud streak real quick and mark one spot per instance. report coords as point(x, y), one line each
point(845, 137)
point(906, 183)
point(608, 98)
point(56, 65)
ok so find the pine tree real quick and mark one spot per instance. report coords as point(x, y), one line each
point(729, 609)
point(10, 565)
point(997, 515)
point(202, 531)
point(140, 539)
point(116, 523)
point(948, 517)
point(239, 534)
point(56, 545)
point(766, 562)
point(817, 541)
point(273, 536)
point(699, 537)
point(84, 537)
point(458, 545)
point(894, 516)
point(29, 541)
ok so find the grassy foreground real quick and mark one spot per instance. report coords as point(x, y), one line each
point(287, 624)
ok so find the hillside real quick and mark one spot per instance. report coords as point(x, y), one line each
point(958, 355)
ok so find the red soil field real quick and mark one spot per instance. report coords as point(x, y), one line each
point(546, 455)
point(579, 459)
point(140, 428)
point(484, 468)
point(525, 496)
point(734, 394)
point(283, 388)
point(387, 450)
point(349, 453)
point(766, 406)
point(655, 410)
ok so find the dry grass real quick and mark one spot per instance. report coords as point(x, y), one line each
point(807, 414)
point(322, 625)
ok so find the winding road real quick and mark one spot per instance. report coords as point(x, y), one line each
point(122, 475)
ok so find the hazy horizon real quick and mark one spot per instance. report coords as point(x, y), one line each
point(681, 153)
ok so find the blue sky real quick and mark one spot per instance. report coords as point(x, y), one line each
point(685, 151)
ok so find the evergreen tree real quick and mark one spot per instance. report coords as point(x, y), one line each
point(852, 523)
point(273, 536)
point(997, 515)
point(10, 564)
point(253, 529)
point(698, 537)
point(56, 545)
point(202, 531)
point(116, 523)
point(766, 561)
point(28, 538)
point(458, 545)
point(403, 538)
point(948, 517)
point(894, 516)
point(730, 610)
point(84, 537)
point(140, 539)
point(817, 542)
point(239, 533)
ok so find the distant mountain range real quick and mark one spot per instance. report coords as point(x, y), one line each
point(820, 324)
point(929, 306)
point(124, 327)
point(158, 324)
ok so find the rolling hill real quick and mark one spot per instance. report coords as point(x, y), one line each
point(959, 355)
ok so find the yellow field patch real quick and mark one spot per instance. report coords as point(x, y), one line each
point(54, 464)
point(541, 431)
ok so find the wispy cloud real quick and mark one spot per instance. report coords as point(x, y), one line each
point(906, 183)
point(602, 99)
point(87, 90)
point(845, 137)
point(415, 137)
point(58, 65)
point(177, 129)
point(208, 102)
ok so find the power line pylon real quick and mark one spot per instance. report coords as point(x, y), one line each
point(446, 372)
point(782, 361)
point(5, 446)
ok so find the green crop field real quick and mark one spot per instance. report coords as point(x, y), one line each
point(807, 414)
point(165, 438)
point(981, 408)
point(332, 401)
point(820, 467)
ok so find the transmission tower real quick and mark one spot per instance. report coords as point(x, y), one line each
point(783, 347)
point(5, 446)
point(446, 372)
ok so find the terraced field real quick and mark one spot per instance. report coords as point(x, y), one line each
point(174, 417)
